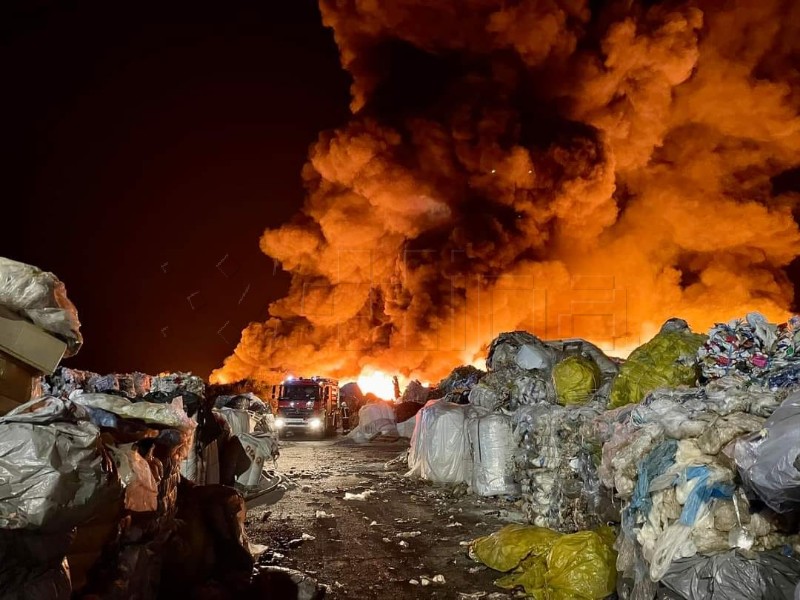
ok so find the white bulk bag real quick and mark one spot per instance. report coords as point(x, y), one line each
point(439, 444)
point(492, 445)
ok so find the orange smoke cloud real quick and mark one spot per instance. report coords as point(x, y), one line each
point(534, 165)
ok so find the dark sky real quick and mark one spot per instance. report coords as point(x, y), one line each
point(146, 146)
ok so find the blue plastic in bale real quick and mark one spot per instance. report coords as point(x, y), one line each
point(702, 493)
point(661, 458)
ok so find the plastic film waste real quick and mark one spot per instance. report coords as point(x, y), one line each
point(768, 460)
point(439, 446)
point(492, 445)
point(669, 359)
point(550, 565)
point(575, 380)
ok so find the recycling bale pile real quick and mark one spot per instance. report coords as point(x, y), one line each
point(707, 472)
point(552, 391)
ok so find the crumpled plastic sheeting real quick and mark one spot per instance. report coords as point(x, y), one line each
point(550, 565)
point(734, 576)
point(693, 506)
point(41, 297)
point(556, 466)
point(460, 379)
point(51, 463)
point(750, 345)
point(377, 418)
point(767, 460)
point(519, 349)
point(141, 487)
point(178, 382)
point(493, 447)
point(486, 397)
point(439, 449)
point(516, 387)
point(669, 359)
point(415, 392)
point(168, 415)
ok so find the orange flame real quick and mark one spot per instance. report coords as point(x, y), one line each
point(372, 381)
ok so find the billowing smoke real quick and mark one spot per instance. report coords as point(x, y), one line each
point(560, 166)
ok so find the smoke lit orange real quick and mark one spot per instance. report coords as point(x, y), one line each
point(535, 166)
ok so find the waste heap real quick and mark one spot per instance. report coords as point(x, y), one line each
point(92, 493)
point(707, 473)
point(92, 499)
point(555, 391)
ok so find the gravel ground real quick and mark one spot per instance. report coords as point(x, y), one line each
point(371, 548)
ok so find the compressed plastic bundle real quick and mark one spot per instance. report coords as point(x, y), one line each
point(512, 386)
point(547, 564)
point(670, 461)
point(575, 380)
point(750, 346)
point(485, 396)
point(669, 359)
point(461, 379)
point(520, 349)
point(42, 298)
point(493, 446)
point(415, 392)
point(439, 446)
point(555, 466)
point(178, 383)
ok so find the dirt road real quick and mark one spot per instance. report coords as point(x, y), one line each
point(371, 548)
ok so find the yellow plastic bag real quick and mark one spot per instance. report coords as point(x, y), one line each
point(550, 565)
point(506, 549)
point(575, 379)
point(668, 360)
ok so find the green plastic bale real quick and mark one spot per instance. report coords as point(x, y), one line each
point(577, 566)
point(668, 360)
point(575, 378)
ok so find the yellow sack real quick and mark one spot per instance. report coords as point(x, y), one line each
point(575, 379)
point(505, 549)
point(551, 565)
point(668, 360)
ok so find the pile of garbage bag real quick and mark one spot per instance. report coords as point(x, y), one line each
point(97, 477)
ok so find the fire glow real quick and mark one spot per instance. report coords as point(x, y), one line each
point(566, 173)
point(376, 382)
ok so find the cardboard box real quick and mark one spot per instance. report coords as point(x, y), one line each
point(16, 382)
point(29, 344)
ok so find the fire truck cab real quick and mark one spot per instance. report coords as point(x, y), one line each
point(310, 405)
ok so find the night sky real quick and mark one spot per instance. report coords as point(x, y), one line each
point(146, 147)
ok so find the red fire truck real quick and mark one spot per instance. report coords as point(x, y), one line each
point(310, 405)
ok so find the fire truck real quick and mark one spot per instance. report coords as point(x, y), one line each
point(311, 405)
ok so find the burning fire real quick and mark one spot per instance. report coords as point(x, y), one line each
point(572, 169)
point(376, 382)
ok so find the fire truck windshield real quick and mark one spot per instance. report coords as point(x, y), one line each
point(300, 392)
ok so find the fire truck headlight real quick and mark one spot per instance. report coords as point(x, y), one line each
point(280, 423)
point(310, 404)
point(315, 423)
